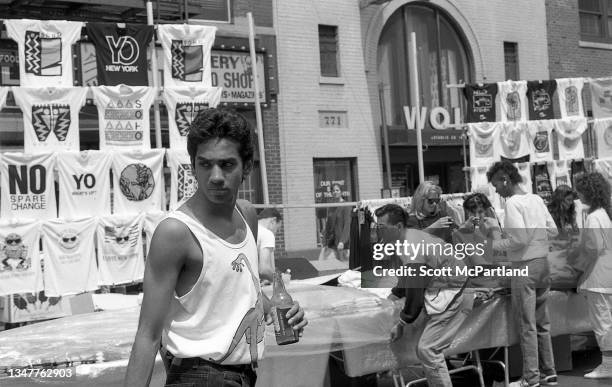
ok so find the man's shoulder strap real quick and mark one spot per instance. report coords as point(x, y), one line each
point(248, 211)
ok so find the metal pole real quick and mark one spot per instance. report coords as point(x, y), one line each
point(383, 119)
point(186, 12)
point(260, 136)
point(157, 119)
point(465, 166)
point(416, 100)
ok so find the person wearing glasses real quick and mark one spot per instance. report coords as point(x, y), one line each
point(428, 211)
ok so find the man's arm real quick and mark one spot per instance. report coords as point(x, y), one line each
point(266, 263)
point(517, 236)
point(167, 255)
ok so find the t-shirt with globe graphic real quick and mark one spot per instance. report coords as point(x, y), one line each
point(138, 184)
point(603, 135)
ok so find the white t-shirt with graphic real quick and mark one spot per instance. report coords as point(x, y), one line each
point(569, 137)
point(540, 140)
point(603, 137)
point(27, 186)
point(513, 140)
point(183, 183)
point(524, 170)
point(561, 174)
point(186, 54)
point(70, 260)
point(601, 97)
point(20, 270)
point(513, 101)
point(183, 105)
point(138, 182)
point(45, 50)
point(123, 114)
point(120, 255)
point(50, 117)
point(483, 136)
point(569, 91)
point(84, 183)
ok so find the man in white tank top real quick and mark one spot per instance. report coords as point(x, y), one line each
point(202, 302)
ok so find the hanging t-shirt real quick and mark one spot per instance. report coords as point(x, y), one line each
point(569, 137)
point(480, 102)
point(84, 183)
point(569, 91)
point(540, 140)
point(50, 117)
point(603, 137)
point(604, 166)
point(540, 98)
point(524, 170)
point(542, 185)
point(183, 183)
point(121, 52)
point(45, 50)
point(601, 97)
point(138, 183)
point(513, 100)
point(561, 173)
point(577, 170)
point(26, 186)
point(70, 260)
point(123, 114)
point(482, 143)
point(512, 140)
point(186, 54)
point(120, 255)
point(183, 105)
point(20, 270)
point(3, 93)
point(151, 220)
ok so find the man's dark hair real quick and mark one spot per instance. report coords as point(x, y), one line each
point(270, 213)
point(220, 123)
point(505, 167)
point(396, 214)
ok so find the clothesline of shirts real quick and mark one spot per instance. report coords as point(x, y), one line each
point(533, 100)
point(51, 114)
point(78, 255)
point(45, 57)
point(84, 183)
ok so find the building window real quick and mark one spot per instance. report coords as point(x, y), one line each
point(511, 60)
point(333, 179)
point(595, 20)
point(328, 48)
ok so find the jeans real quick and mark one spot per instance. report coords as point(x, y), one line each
point(438, 335)
point(529, 295)
point(201, 373)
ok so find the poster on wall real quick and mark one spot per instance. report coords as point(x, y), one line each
point(233, 71)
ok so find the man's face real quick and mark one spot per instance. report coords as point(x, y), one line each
point(502, 185)
point(275, 225)
point(386, 231)
point(219, 170)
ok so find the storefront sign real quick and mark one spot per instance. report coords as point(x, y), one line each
point(439, 117)
point(232, 71)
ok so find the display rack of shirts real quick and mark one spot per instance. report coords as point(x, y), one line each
point(70, 256)
point(542, 182)
point(524, 170)
point(540, 140)
point(45, 57)
point(561, 173)
point(123, 114)
point(187, 51)
point(603, 137)
point(84, 183)
point(569, 91)
point(183, 105)
point(3, 93)
point(50, 117)
point(512, 140)
point(150, 222)
point(480, 102)
point(20, 269)
point(540, 99)
point(121, 52)
point(138, 180)
point(513, 100)
point(601, 97)
point(569, 137)
point(373, 204)
point(26, 185)
point(483, 137)
point(119, 244)
point(183, 183)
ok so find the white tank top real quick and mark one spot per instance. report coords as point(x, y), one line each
point(221, 318)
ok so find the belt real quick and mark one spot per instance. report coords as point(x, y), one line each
point(194, 362)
